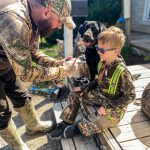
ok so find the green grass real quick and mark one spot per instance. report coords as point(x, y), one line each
point(52, 51)
point(147, 58)
point(126, 50)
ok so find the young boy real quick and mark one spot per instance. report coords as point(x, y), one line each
point(112, 91)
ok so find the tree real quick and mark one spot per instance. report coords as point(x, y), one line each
point(106, 11)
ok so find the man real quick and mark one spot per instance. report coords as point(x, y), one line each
point(21, 24)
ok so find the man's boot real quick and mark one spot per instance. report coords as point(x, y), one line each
point(12, 138)
point(33, 124)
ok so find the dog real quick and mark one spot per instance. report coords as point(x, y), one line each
point(89, 31)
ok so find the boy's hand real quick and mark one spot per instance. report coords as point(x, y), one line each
point(101, 111)
point(93, 85)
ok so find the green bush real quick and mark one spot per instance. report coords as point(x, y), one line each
point(106, 11)
point(56, 35)
point(126, 50)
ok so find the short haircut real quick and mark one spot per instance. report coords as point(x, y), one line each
point(114, 36)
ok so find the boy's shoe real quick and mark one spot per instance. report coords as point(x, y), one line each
point(64, 130)
point(58, 132)
point(71, 131)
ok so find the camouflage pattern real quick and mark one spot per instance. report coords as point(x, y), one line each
point(31, 120)
point(115, 105)
point(20, 42)
point(62, 8)
point(146, 100)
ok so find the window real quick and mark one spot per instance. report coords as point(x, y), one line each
point(146, 16)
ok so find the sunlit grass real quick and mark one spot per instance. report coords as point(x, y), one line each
point(52, 51)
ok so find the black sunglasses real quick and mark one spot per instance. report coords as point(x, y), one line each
point(103, 50)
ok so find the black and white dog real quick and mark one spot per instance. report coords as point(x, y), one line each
point(89, 32)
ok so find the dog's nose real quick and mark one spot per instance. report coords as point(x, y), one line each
point(88, 33)
point(86, 36)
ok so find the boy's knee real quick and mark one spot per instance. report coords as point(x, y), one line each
point(104, 122)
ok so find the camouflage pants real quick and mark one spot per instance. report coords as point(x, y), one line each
point(90, 124)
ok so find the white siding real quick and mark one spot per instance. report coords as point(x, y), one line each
point(137, 22)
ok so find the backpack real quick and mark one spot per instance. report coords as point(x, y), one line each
point(145, 107)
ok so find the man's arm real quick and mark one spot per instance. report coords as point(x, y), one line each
point(42, 59)
point(15, 38)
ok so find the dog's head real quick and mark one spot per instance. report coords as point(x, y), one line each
point(90, 30)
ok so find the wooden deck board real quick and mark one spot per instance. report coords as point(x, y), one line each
point(110, 141)
point(132, 117)
point(131, 131)
point(139, 67)
point(138, 144)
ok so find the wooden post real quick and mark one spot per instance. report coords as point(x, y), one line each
point(127, 16)
point(68, 42)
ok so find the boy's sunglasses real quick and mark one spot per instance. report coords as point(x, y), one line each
point(103, 50)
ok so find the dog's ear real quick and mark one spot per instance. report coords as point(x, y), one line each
point(82, 27)
point(102, 27)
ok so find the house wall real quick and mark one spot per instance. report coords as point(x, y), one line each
point(137, 11)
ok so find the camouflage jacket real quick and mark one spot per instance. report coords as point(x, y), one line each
point(125, 92)
point(19, 39)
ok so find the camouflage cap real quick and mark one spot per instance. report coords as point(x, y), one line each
point(62, 8)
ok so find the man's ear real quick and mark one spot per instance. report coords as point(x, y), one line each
point(46, 12)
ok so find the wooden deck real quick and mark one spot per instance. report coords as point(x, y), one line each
point(141, 41)
point(133, 131)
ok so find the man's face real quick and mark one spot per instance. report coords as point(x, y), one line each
point(49, 23)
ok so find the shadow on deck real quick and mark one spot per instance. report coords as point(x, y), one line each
point(141, 41)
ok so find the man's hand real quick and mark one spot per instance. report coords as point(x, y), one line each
point(102, 111)
point(68, 58)
point(65, 60)
point(77, 89)
point(70, 67)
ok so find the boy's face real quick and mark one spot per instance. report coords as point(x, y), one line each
point(107, 52)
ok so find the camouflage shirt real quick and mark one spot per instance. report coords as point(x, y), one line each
point(19, 39)
point(125, 92)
